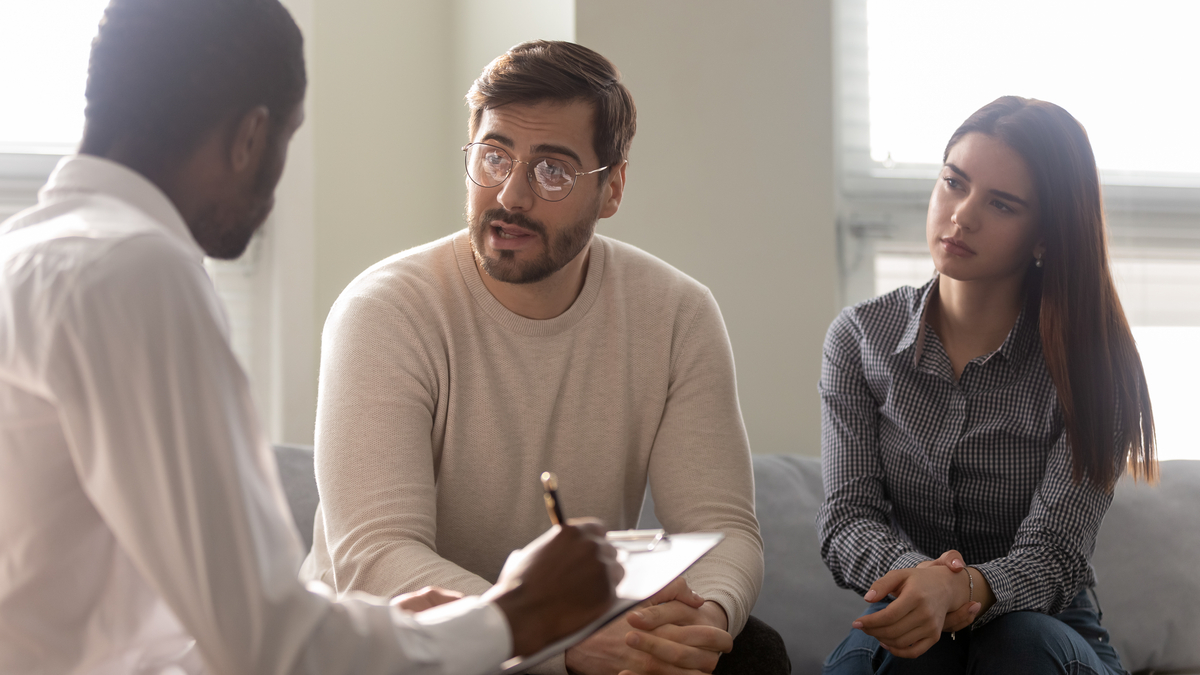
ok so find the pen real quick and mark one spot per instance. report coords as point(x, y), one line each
point(553, 507)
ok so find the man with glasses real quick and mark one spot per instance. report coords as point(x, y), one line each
point(453, 374)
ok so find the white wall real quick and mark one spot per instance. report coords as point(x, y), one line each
point(731, 180)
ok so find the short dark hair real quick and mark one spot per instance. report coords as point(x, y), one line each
point(166, 72)
point(540, 70)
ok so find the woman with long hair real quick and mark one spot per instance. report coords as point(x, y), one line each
point(973, 429)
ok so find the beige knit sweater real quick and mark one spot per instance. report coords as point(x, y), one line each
point(439, 408)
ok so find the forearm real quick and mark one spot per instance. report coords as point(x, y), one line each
point(979, 590)
point(858, 549)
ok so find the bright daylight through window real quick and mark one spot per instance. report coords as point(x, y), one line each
point(1127, 72)
point(44, 50)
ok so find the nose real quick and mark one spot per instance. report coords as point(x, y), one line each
point(965, 215)
point(516, 194)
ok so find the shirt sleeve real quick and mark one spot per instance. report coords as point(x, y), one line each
point(164, 437)
point(858, 543)
point(700, 471)
point(374, 455)
point(1048, 561)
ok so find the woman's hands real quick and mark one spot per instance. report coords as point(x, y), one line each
point(933, 597)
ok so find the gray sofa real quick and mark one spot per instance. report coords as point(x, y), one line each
point(1147, 561)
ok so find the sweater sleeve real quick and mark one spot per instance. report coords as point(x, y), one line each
point(374, 458)
point(700, 470)
point(858, 543)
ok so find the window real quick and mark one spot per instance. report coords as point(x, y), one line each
point(45, 47)
point(44, 50)
point(910, 71)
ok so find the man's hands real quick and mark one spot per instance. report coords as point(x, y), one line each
point(675, 632)
point(565, 581)
point(930, 598)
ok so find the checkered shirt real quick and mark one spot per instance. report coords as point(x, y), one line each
point(915, 464)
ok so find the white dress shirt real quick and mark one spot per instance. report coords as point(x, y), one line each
point(143, 528)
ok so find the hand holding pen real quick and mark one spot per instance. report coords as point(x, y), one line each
point(553, 505)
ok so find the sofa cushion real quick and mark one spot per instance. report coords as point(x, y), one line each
point(1147, 560)
point(295, 464)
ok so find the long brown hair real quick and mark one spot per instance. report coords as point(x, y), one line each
point(1086, 340)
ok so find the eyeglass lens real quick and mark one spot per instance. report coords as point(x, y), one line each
point(488, 166)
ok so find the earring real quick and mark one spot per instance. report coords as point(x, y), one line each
point(1037, 261)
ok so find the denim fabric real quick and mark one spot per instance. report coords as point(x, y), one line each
point(1069, 643)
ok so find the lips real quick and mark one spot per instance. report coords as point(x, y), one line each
point(509, 231)
point(956, 247)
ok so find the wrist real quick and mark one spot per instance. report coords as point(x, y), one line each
point(715, 614)
point(528, 636)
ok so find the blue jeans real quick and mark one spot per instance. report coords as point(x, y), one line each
point(1070, 643)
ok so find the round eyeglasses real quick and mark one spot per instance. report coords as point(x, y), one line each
point(551, 179)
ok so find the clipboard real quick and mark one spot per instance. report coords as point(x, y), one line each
point(651, 558)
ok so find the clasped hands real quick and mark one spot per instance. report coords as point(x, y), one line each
point(931, 598)
point(674, 632)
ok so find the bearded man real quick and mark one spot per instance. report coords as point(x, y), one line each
point(453, 374)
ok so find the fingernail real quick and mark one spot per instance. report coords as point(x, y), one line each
point(639, 615)
point(856, 624)
point(976, 607)
point(870, 596)
point(957, 563)
point(632, 639)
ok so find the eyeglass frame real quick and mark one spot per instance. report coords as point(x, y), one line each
point(528, 172)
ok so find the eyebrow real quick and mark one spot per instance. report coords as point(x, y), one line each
point(999, 193)
point(540, 149)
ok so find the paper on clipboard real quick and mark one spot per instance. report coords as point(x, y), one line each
point(651, 561)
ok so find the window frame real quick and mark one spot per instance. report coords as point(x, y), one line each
point(882, 206)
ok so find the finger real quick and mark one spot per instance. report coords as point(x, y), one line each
point(702, 637)
point(677, 590)
point(904, 625)
point(914, 650)
point(951, 559)
point(616, 572)
point(887, 584)
point(962, 617)
point(592, 527)
point(912, 637)
point(673, 653)
point(649, 618)
point(895, 613)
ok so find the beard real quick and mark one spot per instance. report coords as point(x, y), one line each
point(224, 229)
point(557, 251)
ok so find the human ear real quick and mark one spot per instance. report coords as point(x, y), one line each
point(616, 190)
point(250, 140)
point(1039, 250)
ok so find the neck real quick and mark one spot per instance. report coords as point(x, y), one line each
point(170, 177)
point(973, 318)
point(543, 299)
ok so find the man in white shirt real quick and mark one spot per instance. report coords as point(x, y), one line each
point(143, 528)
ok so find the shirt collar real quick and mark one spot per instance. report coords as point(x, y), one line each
point(88, 174)
point(914, 332)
